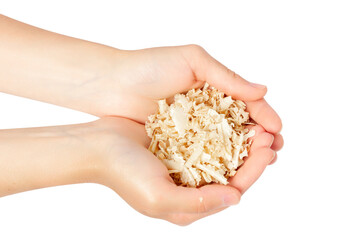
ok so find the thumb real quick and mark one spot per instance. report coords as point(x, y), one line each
point(199, 200)
point(208, 69)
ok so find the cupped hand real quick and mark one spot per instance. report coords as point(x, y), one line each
point(137, 79)
point(144, 183)
point(262, 153)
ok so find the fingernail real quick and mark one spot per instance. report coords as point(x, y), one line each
point(255, 85)
point(231, 199)
point(271, 162)
point(274, 154)
point(272, 141)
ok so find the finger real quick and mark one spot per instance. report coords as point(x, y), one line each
point(258, 130)
point(188, 218)
point(198, 200)
point(262, 140)
point(263, 114)
point(278, 142)
point(251, 170)
point(274, 160)
point(207, 69)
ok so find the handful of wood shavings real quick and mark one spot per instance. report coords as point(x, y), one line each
point(201, 137)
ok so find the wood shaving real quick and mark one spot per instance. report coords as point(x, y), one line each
point(201, 137)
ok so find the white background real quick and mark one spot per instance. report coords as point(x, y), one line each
point(306, 52)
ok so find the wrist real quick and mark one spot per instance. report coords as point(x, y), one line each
point(49, 156)
point(99, 90)
point(86, 144)
point(110, 141)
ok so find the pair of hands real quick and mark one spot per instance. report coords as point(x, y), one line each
point(126, 85)
point(130, 89)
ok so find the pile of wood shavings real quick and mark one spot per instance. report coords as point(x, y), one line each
point(201, 137)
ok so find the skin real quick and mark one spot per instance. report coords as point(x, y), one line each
point(122, 87)
point(112, 151)
point(105, 81)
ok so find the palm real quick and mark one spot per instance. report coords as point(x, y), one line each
point(148, 179)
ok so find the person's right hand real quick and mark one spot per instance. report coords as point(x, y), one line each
point(143, 181)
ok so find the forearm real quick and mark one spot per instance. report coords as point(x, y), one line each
point(45, 157)
point(50, 67)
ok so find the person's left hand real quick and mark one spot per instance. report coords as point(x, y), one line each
point(137, 79)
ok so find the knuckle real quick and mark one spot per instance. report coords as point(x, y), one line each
point(268, 154)
point(185, 223)
point(268, 139)
point(278, 126)
point(259, 109)
point(194, 48)
point(180, 219)
point(231, 73)
point(195, 55)
point(153, 205)
point(201, 205)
